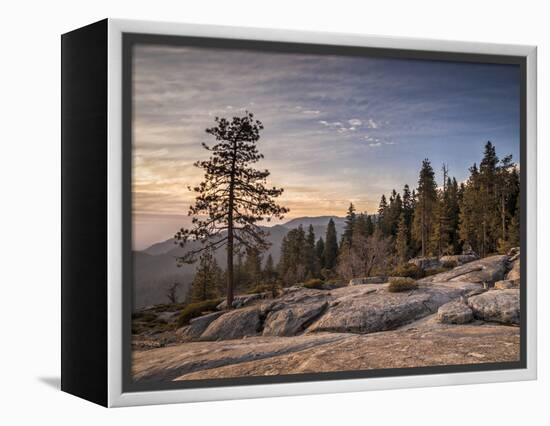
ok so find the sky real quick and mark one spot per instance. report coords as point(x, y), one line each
point(338, 129)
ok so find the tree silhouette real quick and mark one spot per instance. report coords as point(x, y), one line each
point(293, 265)
point(350, 222)
point(320, 252)
point(424, 215)
point(208, 279)
point(331, 246)
point(172, 292)
point(232, 197)
point(401, 241)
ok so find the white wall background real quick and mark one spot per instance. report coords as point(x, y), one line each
point(30, 200)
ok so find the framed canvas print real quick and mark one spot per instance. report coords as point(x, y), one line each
point(251, 213)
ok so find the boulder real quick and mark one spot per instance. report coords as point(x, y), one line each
point(456, 312)
point(243, 300)
point(513, 251)
point(234, 325)
point(368, 280)
point(292, 320)
point(515, 272)
point(486, 270)
point(505, 284)
point(475, 292)
point(197, 326)
point(369, 312)
point(426, 263)
point(292, 312)
point(291, 289)
point(167, 316)
point(497, 305)
point(300, 295)
point(459, 259)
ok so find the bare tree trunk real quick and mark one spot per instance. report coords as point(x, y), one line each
point(423, 225)
point(503, 217)
point(484, 239)
point(229, 272)
point(229, 295)
point(350, 255)
point(441, 230)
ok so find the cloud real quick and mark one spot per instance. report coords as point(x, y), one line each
point(371, 124)
point(339, 126)
point(309, 104)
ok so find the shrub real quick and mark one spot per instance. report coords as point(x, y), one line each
point(150, 324)
point(409, 270)
point(315, 283)
point(144, 316)
point(196, 309)
point(401, 284)
point(260, 288)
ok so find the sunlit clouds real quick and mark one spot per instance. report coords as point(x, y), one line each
point(337, 129)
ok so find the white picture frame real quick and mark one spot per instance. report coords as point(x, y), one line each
point(116, 395)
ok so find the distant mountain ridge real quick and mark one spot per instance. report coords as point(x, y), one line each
point(319, 222)
point(315, 221)
point(155, 267)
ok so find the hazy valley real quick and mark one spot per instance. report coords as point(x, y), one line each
point(155, 267)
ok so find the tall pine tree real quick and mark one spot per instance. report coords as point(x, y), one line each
point(424, 213)
point(440, 238)
point(320, 252)
point(292, 266)
point(382, 214)
point(233, 196)
point(312, 264)
point(349, 224)
point(471, 212)
point(453, 213)
point(253, 267)
point(401, 241)
point(331, 246)
point(488, 199)
point(208, 279)
point(488, 204)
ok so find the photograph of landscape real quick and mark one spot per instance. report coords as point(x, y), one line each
point(297, 213)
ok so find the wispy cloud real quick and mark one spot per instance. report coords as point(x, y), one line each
point(371, 124)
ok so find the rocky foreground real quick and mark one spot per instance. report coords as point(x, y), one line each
point(469, 314)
